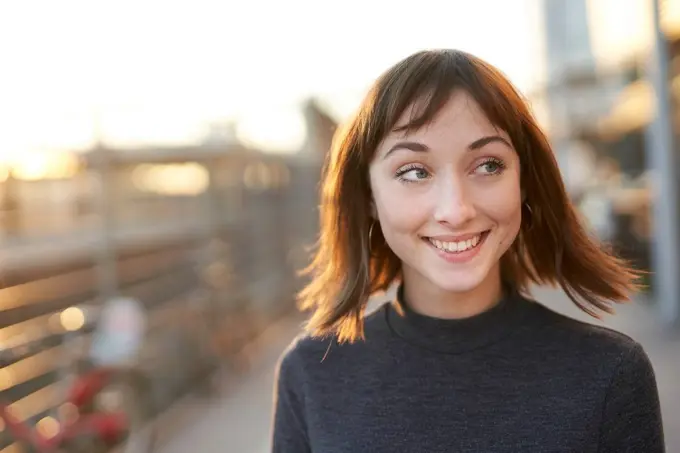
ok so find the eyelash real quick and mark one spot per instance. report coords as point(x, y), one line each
point(407, 168)
point(493, 160)
point(410, 167)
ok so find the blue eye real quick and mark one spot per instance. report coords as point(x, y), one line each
point(412, 173)
point(491, 166)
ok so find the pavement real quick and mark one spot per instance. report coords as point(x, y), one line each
point(239, 421)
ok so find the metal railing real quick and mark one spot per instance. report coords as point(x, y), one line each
point(231, 234)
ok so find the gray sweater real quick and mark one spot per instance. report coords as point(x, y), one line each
point(517, 378)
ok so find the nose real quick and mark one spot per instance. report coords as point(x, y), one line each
point(453, 205)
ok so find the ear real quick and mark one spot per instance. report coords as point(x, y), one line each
point(373, 212)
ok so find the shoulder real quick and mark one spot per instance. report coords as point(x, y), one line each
point(573, 352)
point(586, 341)
point(305, 351)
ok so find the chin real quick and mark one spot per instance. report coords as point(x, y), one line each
point(460, 282)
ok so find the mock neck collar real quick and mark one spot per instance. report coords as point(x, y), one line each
point(454, 336)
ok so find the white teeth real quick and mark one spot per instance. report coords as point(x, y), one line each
point(460, 246)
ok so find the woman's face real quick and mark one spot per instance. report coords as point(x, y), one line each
point(447, 197)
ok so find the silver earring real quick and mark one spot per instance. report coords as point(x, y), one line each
point(370, 238)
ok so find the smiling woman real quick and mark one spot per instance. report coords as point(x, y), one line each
point(453, 187)
point(444, 183)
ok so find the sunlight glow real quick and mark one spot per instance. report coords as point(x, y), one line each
point(622, 30)
point(87, 71)
point(619, 30)
point(33, 166)
point(171, 179)
point(279, 131)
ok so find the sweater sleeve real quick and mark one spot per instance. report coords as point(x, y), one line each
point(289, 433)
point(632, 415)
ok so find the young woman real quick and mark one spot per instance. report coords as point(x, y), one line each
point(444, 183)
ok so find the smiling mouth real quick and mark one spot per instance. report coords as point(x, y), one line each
point(458, 246)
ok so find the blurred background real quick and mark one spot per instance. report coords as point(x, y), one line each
point(159, 165)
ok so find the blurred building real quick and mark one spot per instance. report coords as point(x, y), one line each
point(578, 91)
point(570, 66)
point(600, 106)
point(597, 55)
point(321, 127)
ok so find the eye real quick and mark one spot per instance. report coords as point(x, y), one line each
point(412, 173)
point(490, 167)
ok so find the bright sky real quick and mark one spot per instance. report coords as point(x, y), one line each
point(158, 71)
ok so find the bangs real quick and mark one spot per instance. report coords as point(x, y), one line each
point(424, 83)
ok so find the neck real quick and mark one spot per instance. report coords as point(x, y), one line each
point(425, 298)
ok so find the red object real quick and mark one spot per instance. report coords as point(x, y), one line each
point(109, 427)
point(88, 385)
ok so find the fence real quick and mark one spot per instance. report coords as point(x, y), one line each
point(218, 232)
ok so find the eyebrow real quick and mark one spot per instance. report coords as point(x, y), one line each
point(422, 148)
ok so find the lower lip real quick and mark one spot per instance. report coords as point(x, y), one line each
point(459, 257)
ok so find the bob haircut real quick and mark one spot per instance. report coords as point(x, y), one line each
point(552, 247)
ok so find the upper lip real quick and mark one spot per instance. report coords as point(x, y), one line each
point(455, 238)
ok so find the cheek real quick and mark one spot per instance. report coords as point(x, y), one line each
point(511, 222)
point(396, 213)
point(399, 211)
point(504, 207)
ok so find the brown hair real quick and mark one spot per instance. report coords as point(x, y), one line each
point(552, 247)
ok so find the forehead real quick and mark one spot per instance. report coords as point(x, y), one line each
point(460, 118)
